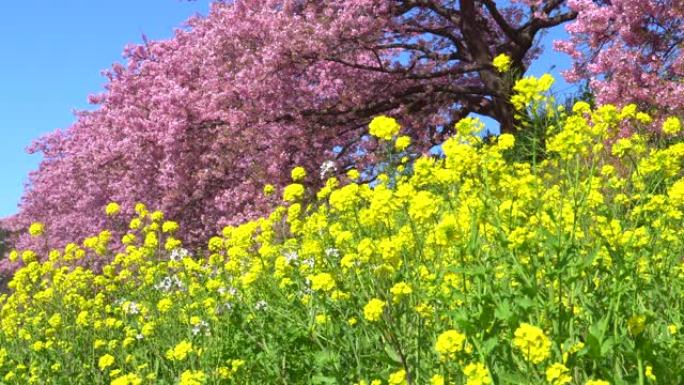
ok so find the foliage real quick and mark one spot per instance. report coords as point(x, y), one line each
point(465, 268)
point(196, 125)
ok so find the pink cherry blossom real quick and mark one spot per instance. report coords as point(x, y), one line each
point(196, 125)
point(630, 50)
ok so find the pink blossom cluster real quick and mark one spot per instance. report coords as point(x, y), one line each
point(631, 50)
point(196, 125)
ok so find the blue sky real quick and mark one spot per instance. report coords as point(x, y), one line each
point(53, 53)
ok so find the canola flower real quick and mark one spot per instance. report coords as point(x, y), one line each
point(323, 282)
point(648, 372)
point(170, 227)
point(502, 63)
point(374, 309)
point(482, 264)
point(128, 379)
point(397, 378)
point(672, 125)
point(437, 379)
point(532, 343)
point(298, 174)
point(293, 192)
point(400, 290)
point(636, 324)
point(179, 352)
point(190, 377)
point(477, 374)
point(450, 343)
point(269, 189)
point(531, 91)
point(112, 209)
point(558, 374)
point(384, 127)
point(105, 361)
point(402, 143)
point(36, 229)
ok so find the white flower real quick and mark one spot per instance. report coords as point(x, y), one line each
point(261, 305)
point(328, 167)
point(203, 325)
point(178, 254)
point(309, 262)
point(169, 283)
point(131, 308)
point(291, 256)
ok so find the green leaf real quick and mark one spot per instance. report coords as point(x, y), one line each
point(392, 354)
point(489, 345)
point(607, 347)
point(323, 380)
point(503, 311)
point(506, 378)
point(524, 302)
point(323, 358)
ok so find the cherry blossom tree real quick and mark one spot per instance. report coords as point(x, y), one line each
point(631, 50)
point(196, 125)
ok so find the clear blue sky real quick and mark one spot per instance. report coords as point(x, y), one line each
point(52, 56)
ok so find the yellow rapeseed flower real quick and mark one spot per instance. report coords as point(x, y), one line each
point(298, 173)
point(437, 379)
point(644, 118)
point(293, 192)
point(384, 127)
point(180, 351)
point(530, 89)
point(532, 343)
point(170, 227)
point(402, 143)
point(353, 174)
point(502, 62)
point(397, 378)
point(374, 309)
point(676, 193)
point(558, 374)
point(36, 229)
point(105, 361)
point(450, 343)
point(128, 379)
point(135, 224)
point(112, 209)
point(322, 282)
point(269, 189)
point(672, 125)
point(597, 382)
point(648, 372)
point(29, 256)
point(636, 324)
point(192, 377)
point(400, 290)
point(55, 321)
point(477, 374)
point(672, 329)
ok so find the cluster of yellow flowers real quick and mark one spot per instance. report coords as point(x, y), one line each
point(385, 127)
point(532, 342)
point(502, 63)
point(464, 268)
